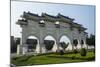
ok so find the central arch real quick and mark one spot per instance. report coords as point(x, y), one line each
point(49, 42)
point(66, 40)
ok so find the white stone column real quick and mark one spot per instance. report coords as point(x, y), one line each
point(40, 48)
point(24, 49)
point(40, 45)
point(43, 48)
point(21, 48)
point(57, 43)
point(18, 49)
point(37, 48)
point(72, 44)
point(54, 47)
point(57, 36)
point(79, 46)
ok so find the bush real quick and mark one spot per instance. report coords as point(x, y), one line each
point(83, 52)
point(94, 51)
point(73, 57)
point(75, 51)
point(61, 52)
point(23, 58)
point(15, 58)
point(49, 44)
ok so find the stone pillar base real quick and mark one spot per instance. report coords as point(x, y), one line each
point(79, 46)
point(40, 49)
point(18, 49)
point(85, 46)
point(22, 49)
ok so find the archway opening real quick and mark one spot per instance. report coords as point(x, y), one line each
point(65, 43)
point(75, 43)
point(32, 42)
point(82, 42)
point(49, 42)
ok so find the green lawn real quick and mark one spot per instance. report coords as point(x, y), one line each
point(51, 59)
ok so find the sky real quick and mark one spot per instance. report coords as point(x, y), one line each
point(83, 14)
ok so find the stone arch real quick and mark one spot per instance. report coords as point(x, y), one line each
point(49, 34)
point(76, 42)
point(84, 45)
point(32, 38)
point(52, 38)
point(70, 47)
point(67, 35)
point(66, 39)
point(26, 35)
point(35, 35)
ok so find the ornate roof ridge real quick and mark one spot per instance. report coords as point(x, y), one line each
point(33, 14)
point(57, 17)
point(67, 17)
point(45, 14)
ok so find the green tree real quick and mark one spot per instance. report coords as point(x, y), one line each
point(49, 44)
point(91, 40)
point(14, 43)
point(31, 43)
point(64, 45)
point(83, 52)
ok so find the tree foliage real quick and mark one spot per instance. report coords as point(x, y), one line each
point(75, 51)
point(61, 52)
point(75, 42)
point(83, 52)
point(64, 45)
point(49, 44)
point(31, 43)
point(91, 40)
point(14, 43)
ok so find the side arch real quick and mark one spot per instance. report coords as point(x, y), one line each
point(32, 43)
point(78, 44)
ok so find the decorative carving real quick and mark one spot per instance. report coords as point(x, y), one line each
point(42, 23)
point(57, 25)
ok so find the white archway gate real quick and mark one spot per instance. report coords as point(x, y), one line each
point(44, 25)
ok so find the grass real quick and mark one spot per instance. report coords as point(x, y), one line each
point(51, 59)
